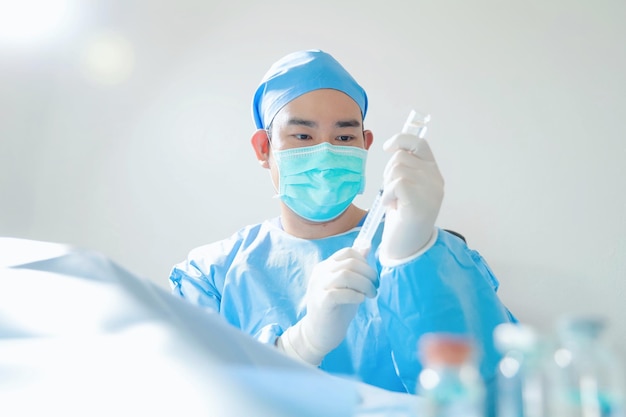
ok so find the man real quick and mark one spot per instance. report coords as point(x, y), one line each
point(296, 282)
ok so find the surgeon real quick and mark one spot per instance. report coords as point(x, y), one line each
point(294, 281)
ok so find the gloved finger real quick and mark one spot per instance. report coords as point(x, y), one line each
point(411, 143)
point(420, 172)
point(350, 259)
point(335, 262)
point(347, 253)
point(353, 281)
point(359, 277)
point(402, 192)
point(339, 296)
point(357, 266)
point(404, 159)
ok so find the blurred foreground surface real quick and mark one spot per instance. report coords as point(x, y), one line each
point(79, 335)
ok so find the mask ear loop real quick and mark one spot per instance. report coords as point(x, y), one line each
point(268, 132)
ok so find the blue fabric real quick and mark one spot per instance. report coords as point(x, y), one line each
point(299, 73)
point(257, 280)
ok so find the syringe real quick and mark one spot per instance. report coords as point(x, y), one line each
point(415, 125)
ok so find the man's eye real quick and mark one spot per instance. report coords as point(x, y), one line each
point(302, 136)
point(344, 138)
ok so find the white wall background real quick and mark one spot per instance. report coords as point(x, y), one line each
point(125, 128)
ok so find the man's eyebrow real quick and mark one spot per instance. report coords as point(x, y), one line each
point(301, 122)
point(348, 123)
point(310, 123)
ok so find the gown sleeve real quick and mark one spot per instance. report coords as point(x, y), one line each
point(190, 282)
point(449, 288)
point(200, 278)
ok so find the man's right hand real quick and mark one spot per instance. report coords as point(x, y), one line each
point(336, 288)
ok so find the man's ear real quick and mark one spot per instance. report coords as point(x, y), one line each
point(261, 144)
point(368, 137)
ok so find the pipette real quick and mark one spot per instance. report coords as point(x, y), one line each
point(414, 125)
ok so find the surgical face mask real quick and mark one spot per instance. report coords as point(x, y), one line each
point(319, 182)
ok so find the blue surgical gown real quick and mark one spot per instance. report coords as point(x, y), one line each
point(257, 280)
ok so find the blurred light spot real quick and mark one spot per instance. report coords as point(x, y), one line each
point(509, 367)
point(30, 21)
point(563, 357)
point(429, 379)
point(108, 59)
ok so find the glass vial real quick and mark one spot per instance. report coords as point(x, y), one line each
point(588, 380)
point(449, 384)
point(522, 380)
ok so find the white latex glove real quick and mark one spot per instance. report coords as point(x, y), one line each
point(413, 193)
point(336, 288)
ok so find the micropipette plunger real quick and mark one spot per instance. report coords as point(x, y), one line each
point(414, 125)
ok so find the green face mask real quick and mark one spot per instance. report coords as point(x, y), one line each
point(319, 182)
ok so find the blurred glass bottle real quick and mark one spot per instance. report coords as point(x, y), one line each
point(450, 384)
point(589, 377)
point(522, 379)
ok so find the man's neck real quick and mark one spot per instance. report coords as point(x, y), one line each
point(299, 227)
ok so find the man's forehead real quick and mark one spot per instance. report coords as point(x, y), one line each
point(325, 106)
point(289, 120)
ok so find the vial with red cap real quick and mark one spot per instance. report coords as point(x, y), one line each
point(449, 384)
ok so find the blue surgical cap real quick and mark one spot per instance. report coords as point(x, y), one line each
point(297, 74)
